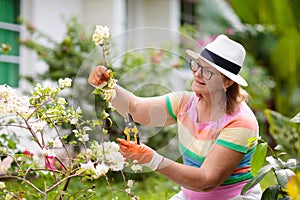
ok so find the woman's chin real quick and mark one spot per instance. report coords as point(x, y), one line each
point(199, 89)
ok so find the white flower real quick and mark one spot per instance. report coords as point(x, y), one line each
point(136, 167)
point(109, 92)
point(89, 152)
point(111, 146)
point(74, 120)
point(48, 152)
point(130, 183)
point(101, 169)
point(67, 82)
point(116, 161)
point(8, 196)
point(108, 152)
point(38, 125)
point(57, 143)
point(100, 35)
point(61, 101)
point(85, 137)
point(12, 104)
point(128, 190)
point(2, 185)
point(88, 166)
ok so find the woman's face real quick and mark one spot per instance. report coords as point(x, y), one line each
point(207, 80)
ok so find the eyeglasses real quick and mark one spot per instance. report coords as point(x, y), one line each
point(204, 71)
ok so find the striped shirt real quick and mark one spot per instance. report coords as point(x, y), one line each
point(197, 139)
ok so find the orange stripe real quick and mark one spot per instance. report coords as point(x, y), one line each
point(242, 122)
point(242, 170)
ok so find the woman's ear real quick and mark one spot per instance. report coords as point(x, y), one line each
point(228, 82)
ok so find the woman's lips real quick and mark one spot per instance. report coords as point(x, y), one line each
point(200, 82)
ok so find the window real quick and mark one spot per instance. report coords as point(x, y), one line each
point(9, 33)
point(188, 12)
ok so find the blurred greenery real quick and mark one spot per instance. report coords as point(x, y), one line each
point(269, 30)
point(70, 57)
point(274, 44)
point(285, 132)
point(150, 187)
point(282, 161)
point(63, 58)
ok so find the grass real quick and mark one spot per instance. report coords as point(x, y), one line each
point(147, 186)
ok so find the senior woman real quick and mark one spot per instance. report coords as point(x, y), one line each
point(214, 125)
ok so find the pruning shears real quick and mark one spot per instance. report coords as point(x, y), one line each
point(131, 132)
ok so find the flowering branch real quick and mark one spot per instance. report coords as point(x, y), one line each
point(46, 110)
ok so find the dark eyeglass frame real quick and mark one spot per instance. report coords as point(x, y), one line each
point(207, 74)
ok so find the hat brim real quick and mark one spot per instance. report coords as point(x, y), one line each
point(236, 78)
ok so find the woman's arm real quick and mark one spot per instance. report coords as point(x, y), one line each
point(150, 111)
point(217, 167)
point(219, 164)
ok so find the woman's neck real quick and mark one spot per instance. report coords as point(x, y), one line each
point(211, 108)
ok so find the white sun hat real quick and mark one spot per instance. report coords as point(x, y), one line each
point(224, 54)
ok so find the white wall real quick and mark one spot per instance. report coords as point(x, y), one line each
point(157, 14)
point(46, 15)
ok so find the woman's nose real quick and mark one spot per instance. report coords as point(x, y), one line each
point(198, 72)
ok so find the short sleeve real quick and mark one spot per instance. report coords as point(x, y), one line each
point(172, 103)
point(238, 134)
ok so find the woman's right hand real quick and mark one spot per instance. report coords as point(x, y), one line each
point(98, 76)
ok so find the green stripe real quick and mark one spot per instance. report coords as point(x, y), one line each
point(169, 107)
point(251, 150)
point(232, 180)
point(190, 154)
point(233, 146)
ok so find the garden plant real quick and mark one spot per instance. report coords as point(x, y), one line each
point(76, 152)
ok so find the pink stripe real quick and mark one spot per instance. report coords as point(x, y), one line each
point(221, 193)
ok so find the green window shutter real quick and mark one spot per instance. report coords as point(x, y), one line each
point(9, 34)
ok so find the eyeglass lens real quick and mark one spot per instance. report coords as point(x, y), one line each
point(205, 73)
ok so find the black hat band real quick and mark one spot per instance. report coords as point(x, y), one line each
point(225, 64)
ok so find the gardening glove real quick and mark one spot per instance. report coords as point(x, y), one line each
point(98, 77)
point(142, 153)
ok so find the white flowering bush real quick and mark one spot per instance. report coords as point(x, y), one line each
point(62, 155)
point(38, 114)
point(101, 38)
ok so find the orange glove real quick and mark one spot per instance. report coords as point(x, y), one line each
point(142, 153)
point(98, 77)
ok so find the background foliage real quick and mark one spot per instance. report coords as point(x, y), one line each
point(268, 29)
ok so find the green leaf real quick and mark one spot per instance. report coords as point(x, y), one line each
point(217, 16)
point(247, 10)
point(86, 128)
point(283, 176)
point(271, 193)
point(259, 157)
point(254, 181)
point(296, 119)
point(11, 144)
point(97, 91)
point(284, 131)
point(282, 15)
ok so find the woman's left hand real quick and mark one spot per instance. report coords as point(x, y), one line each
point(142, 153)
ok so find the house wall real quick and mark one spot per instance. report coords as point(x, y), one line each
point(120, 16)
point(153, 14)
